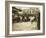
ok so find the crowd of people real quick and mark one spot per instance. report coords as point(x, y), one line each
point(16, 17)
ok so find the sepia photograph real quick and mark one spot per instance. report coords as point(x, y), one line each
point(24, 18)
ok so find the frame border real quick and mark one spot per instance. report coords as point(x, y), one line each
point(7, 19)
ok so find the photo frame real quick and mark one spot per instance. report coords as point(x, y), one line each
point(24, 18)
